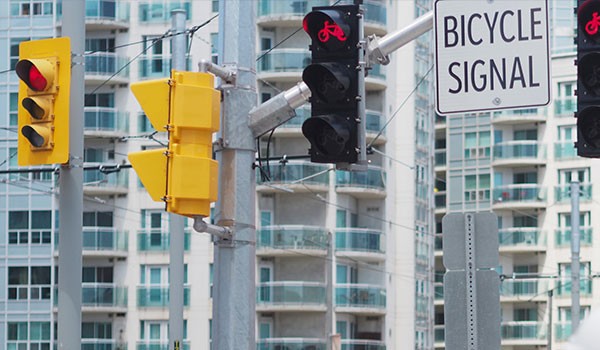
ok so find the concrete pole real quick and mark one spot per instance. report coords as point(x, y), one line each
point(176, 222)
point(550, 325)
point(575, 240)
point(70, 214)
point(235, 290)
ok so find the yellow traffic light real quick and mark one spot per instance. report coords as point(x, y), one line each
point(184, 175)
point(44, 70)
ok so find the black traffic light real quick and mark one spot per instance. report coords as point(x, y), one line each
point(332, 78)
point(588, 79)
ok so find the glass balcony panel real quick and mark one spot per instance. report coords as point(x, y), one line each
point(158, 296)
point(519, 150)
point(440, 200)
point(158, 66)
point(565, 106)
point(107, 64)
point(522, 288)
point(562, 237)
point(439, 242)
point(105, 119)
point(440, 157)
point(565, 150)
point(160, 11)
point(377, 71)
point(521, 236)
point(523, 330)
point(373, 178)
point(294, 171)
point(103, 295)
point(525, 112)
point(357, 295)
point(103, 239)
point(287, 7)
point(290, 344)
point(356, 239)
point(283, 60)
point(375, 122)
point(292, 237)
point(100, 179)
point(439, 291)
point(359, 344)
point(101, 344)
point(290, 293)
point(519, 193)
point(158, 240)
point(438, 333)
point(157, 345)
point(563, 192)
point(107, 10)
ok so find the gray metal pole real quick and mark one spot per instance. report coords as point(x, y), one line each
point(70, 214)
point(234, 298)
point(550, 325)
point(575, 285)
point(176, 222)
point(329, 299)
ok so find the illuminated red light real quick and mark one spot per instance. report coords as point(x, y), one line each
point(37, 81)
point(331, 29)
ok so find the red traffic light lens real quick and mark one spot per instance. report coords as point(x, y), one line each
point(36, 80)
point(588, 17)
point(329, 27)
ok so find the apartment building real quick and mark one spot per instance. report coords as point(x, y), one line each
point(341, 252)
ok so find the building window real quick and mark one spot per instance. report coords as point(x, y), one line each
point(22, 231)
point(30, 8)
point(477, 144)
point(36, 279)
point(477, 187)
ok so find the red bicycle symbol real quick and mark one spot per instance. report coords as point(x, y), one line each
point(592, 26)
point(331, 29)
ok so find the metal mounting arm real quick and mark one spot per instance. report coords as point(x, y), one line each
point(227, 75)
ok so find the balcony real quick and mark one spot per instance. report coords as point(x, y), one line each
point(102, 66)
point(158, 66)
point(157, 345)
point(96, 182)
point(565, 106)
point(276, 13)
point(288, 239)
point(520, 196)
point(440, 202)
point(519, 153)
point(563, 193)
point(438, 244)
point(101, 242)
point(375, 16)
point(291, 296)
point(440, 159)
point(294, 176)
point(100, 297)
point(291, 344)
point(360, 298)
point(439, 335)
point(375, 80)
point(522, 239)
point(440, 122)
point(102, 14)
point(359, 344)
point(282, 65)
point(360, 243)
point(105, 122)
point(158, 296)
point(438, 288)
point(101, 344)
point(157, 240)
point(520, 116)
point(565, 150)
point(512, 290)
point(562, 237)
point(368, 184)
point(523, 333)
point(562, 331)
point(159, 11)
point(563, 288)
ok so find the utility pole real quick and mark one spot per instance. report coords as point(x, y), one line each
point(70, 201)
point(549, 340)
point(235, 289)
point(176, 222)
point(330, 299)
point(575, 240)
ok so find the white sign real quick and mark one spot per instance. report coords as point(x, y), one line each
point(491, 54)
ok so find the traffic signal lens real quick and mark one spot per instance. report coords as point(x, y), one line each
point(36, 79)
point(328, 134)
point(32, 75)
point(589, 72)
point(329, 81)
point(37, 109)
point(37, 136)
point(589, 19)
point(328, 27)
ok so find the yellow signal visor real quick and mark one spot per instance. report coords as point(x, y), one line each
point(153, 96)
point(39, 107)
point(151, 167)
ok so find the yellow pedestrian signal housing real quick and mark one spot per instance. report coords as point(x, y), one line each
point(184, 175)
point(44, 70)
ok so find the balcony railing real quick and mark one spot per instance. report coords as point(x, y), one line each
point(373, 178)
point(519, 150)
point(158, 66)
point(101, 239)
point(158, 240)
point(440, 200)
point(440, 157)
point(96, 178)
point(290, 344)
point(439, 333)
point(158, 296)
point(562, 331)
point(291, 293)
point(360, 295)
point(106, 64)
point(563, 192)
point(105, 119)
point(292, 237)
point(523, 330)
point(157, 345)
point(521, 236)
point(439, 291)
point(283, 61)
point(565, 106)
point(377, 72)
point(439, 245)
point(565, 150)
point(359, 240)
point(519, 193)
point(294, 171)
point(359, 344)
point(101, 344)
point(286, 8)
point(562, 236)
point(101, 10)
point(103, 295)
point(527, 288)
point(160, 11)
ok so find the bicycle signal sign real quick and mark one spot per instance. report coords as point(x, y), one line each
point(592, 25)
point(331, 30)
